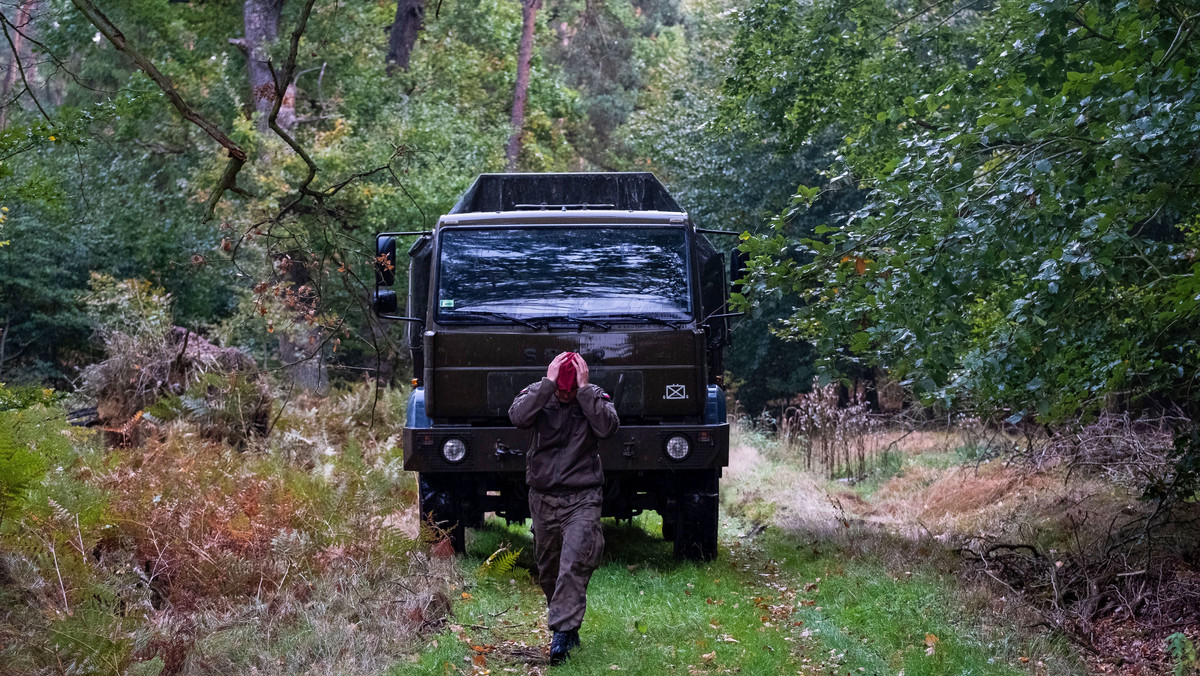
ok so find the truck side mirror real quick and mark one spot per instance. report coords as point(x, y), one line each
point(385, 260)
point(737, 264)
point(385, 303)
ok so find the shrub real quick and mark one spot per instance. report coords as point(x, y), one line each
point(834, 437)
point(166, 370)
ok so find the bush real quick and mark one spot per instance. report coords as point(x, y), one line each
point(168, 371)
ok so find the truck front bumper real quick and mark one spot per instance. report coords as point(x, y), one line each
point(502, 449)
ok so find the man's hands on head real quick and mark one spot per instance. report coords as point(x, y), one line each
point(556, 365)
point(581, 367)
point(581, 370)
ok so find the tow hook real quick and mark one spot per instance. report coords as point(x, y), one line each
point(503, 450)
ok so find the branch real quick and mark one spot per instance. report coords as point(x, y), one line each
point(59, 64)
point(289, 69)
point(237, 156)
point(21, 69)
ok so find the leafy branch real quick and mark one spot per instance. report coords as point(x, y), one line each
point(237, 155)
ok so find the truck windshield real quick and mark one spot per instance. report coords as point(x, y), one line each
point(575, 272)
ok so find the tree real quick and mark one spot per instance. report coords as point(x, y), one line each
point(261, 29)
point(728, 179)
point(608, 51)
point(1027, 247)
point(529, 10)
point(410, 14)
point(19, 56)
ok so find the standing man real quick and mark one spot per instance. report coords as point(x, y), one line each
point(562, 467)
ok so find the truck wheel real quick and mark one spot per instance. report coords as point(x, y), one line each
point(444, 507)
point(696, 520)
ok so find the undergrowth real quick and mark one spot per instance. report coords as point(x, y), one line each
point(186, 554)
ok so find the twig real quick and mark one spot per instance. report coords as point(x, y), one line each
point(289, 68)
point(61, 587)
point(21, 69)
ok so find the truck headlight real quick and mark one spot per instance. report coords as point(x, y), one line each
point(454, 450)
point(678, 447)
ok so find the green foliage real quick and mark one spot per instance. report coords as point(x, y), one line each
point(500, 564)
point(1183, 654)
point(606, 50)
point(1027, 244)
point(20, 464)
point(728, 179)
point(132, 306)
point(32, 438)
point(115, 183)
point(764, 365)
point(22, 397)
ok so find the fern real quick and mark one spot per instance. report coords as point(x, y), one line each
point(500, 564)
point(167, 409)
point(20, 464)
point(1183, 654)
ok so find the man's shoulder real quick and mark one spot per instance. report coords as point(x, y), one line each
point(530, 387)
point(597, 392)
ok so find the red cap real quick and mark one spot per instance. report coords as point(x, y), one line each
point(566, 375)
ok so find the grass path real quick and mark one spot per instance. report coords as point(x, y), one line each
point(777, 601)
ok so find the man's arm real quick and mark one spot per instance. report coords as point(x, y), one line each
point(599, 410)
point(530, 402)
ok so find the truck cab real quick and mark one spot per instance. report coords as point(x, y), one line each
point(526, 266)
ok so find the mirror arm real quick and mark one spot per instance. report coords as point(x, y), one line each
point(723, 315)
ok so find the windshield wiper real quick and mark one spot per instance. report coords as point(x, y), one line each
point(634, 315)
point(497, 315)
point(569, 318)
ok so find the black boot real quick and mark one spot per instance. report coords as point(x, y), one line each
point(573, 638)
point(560, 647)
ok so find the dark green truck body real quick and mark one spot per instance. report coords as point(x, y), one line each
point(530, 265)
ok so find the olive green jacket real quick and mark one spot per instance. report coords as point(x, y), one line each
point(562, 453)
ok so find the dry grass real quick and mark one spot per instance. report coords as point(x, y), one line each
point(297, 553)
point(1068, 538)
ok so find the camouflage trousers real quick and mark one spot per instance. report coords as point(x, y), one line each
point(568, 543)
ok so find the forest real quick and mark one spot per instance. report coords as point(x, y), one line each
point(963, 386)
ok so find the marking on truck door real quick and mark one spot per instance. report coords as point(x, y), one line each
point(676, 392)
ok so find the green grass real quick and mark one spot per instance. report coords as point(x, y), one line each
point(648, 614)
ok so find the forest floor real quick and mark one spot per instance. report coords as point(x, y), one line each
point(813, 577)
point(173, 552)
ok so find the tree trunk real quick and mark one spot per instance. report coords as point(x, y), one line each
point(261, 26)
point(524, 55)
point(307, 359)
point(409, 16)
point(3, 341)
point(19, 56)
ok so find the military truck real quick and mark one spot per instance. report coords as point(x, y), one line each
point(526, 266)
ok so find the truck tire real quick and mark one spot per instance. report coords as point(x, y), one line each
point(444, 506)
point(696, 519)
